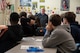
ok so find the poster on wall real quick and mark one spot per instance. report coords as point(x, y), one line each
point(65, 5)
point(42, 0)
point(78, 10)
point(20, 8)
point(25, 3)
point(42, 6)
point(34, 5)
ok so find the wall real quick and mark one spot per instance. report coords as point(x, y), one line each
point(3, 16)
point(52, 4)
point(73, 5)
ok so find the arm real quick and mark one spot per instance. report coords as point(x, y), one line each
point(52, 40)
point(3, 27)
point(47, 34)
point(3, 31)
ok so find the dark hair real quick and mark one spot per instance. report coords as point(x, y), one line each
point(14, 17)
point(62, 16)
point(55, 19)
point(32, 17)
point(37, 21)
point(23, 14)
point(70, 16)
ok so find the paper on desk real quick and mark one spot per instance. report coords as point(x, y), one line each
point(27, 46)
point(38, 39)
point(28, 38)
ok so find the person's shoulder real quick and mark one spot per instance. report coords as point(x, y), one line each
point(14, 26)
point(75, 26)
point(66, 27)
point(60, 30)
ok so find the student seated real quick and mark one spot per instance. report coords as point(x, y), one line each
point(70, 19)
point(23, 18)
point(29, 29)
point(12, 35)
point(57, 36)
point(27, 24)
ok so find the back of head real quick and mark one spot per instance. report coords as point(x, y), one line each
point(55, 19)
point(70, 16)
point(28, 20)
point(32, 17)
point(23, 14)
point(14, 17)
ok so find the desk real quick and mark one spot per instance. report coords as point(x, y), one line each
point(30, 41)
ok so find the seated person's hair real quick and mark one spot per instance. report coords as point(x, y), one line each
point(31, 17)
point(14, 17)
point(55, 19)
point(23, 14)
point(70, 16)
point(37, 21)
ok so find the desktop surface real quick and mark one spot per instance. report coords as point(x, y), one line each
point(30, 42)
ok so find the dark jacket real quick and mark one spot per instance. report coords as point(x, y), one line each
point(10, 38)
point(23, 21)
point(75, 31)
point(13, 34)
point(29, 30)
point(43, 19)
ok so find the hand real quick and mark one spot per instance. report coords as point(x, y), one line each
point(41, 30)
point(49, 28)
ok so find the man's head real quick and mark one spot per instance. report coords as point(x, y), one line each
point(31, 20)
point(69, 17)
point(54, 21)
point(23, 14)
point(14, 18)
point(42, 10)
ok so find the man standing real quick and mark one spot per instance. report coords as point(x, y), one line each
point(43, 17)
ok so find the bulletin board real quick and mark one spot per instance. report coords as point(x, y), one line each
point(65, 5)
point(42, 6)
point(25, 3)
point(42, 0)
point(34, 5)
point(77, 10)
